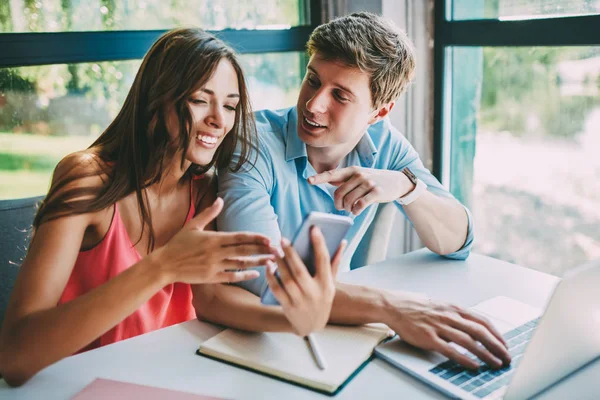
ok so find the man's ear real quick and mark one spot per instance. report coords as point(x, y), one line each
point(381, 112)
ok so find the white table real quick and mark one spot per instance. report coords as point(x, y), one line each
point(166, 358)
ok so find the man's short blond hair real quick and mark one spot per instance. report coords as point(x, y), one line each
point(374, 45)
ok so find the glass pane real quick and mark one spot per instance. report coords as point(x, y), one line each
point(107, 15)
point(524, 152)
point(521, 9)
point(49, 111)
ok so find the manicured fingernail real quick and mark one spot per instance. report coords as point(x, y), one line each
point(311, 179)
point(285, 242)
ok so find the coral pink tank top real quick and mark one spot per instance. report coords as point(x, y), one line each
point(113, 255)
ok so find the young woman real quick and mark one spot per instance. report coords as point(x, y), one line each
point(125, 230)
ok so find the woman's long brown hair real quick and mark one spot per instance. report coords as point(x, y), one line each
point(132, 152)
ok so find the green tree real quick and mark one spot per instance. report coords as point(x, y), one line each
point(5, 17)
point(523, 84)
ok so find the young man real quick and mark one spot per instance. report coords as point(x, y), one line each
point(336, 152)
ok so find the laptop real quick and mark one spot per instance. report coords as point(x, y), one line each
point(544, 348)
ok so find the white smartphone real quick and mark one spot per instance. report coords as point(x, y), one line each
point(334, 228)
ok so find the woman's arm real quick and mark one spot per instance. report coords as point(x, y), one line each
point(36, 332)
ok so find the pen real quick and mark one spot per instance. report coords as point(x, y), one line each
point(314, 349)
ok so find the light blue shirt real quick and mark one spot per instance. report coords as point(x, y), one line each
point(272, 196)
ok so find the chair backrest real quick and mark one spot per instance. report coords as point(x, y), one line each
point(374, 245)
point(16, 217)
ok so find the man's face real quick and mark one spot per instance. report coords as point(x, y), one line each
point(334, 105)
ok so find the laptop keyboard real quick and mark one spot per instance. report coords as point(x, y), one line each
point(484, 381)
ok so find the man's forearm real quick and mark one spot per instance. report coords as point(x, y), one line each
point(357, 305)
point(441, 222)
point(237, 308)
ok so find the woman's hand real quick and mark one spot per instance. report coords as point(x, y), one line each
point(306, 300)
point(197, 256)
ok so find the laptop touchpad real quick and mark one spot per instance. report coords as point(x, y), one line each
point(506, 313)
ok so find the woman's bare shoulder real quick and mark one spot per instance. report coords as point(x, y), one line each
point(81, 164)
point(80, 176)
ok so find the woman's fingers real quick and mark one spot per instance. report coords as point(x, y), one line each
point(235, 276)
point(246, 262)
point(237, 238)
point(244, 250)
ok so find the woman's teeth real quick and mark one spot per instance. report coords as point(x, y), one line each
point(207, 139)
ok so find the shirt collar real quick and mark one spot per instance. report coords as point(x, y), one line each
point(366, 150)
point(296, 148)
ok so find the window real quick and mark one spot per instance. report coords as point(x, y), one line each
point(523, 9)
point(517, 130)
point(59, 91)
point(104, 15)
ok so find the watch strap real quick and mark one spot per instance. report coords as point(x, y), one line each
point(414, 194)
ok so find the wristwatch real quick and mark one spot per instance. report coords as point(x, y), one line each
point(420, 188)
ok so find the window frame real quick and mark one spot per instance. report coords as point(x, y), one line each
point(557, 31)
point(28, 49)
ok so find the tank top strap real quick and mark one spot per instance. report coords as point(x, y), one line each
point(192, 209)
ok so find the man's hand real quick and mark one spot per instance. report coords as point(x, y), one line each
point(306, 300)
point(433, 326)
point(359, 187)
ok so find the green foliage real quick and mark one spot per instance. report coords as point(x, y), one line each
point(10, 78)
point(565, 118)
point(64, 104)
point(521, 91)
point(29, 162)
point(5, 17)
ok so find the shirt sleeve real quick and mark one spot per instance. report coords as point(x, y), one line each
point(247, 204)
point(404, 155)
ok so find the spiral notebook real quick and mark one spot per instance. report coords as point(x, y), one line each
point(287, 357)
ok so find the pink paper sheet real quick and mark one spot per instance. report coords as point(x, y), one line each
point(101, 389)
